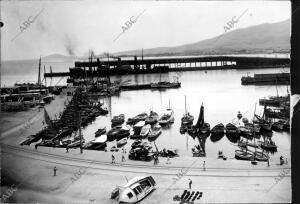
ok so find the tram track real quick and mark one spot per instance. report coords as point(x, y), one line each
point(133, 168)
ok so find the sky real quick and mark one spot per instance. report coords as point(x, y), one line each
point(74, 27)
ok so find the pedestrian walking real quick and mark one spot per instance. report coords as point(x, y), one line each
point(55, 169)
point(268, 162)
point(190, 183)
point(67, 149)
point(203, 165)
point(36, 146)
point(123, 158)
point(281, 160)
point(112, 159)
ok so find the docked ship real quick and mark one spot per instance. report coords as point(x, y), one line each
point(267, 79)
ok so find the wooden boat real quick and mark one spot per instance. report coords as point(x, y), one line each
point(112, 133)
point(75, 143)
point(204, 129)
point(122, 142)
point(100, 132)
point(167, 117)
point(97, 144)
point(260, 156)
point(138, 127)
point(231, 130)
point(246, 132)
point(217, 132)
point(218, 129)
point(117, 120)
point(187, 119)
point(268, 145)
point(137, 118)
point(122, 133)
point(278, 126)
point(152, 118)
point(136, 189)
point(154, 132)
point(244, 155)
point(264, 124)
point(165, 84)
point(244, 144)
point(145, 131)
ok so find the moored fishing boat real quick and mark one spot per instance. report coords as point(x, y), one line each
point(138, 127)
point(154, 132)
point(152, 118)
point(137, 118)
point(231, 129)
point(100, 132)
point(167, 117)
point(278, 126)
point(165, 84)
point(204, 129)
point(268, 145)
point(246, 132)
point(217, 132)
point(112, 133)
point(122, 133)
point(145, 131)
point(117, 120)
point(97, 144)
point(187, 119)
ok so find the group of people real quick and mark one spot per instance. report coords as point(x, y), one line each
point(113, 159)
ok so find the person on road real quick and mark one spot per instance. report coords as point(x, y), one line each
point(55, 169)
point(190, 183)
point(123, 158)
point(203, 165)
point(113, 159)
point(67, 148)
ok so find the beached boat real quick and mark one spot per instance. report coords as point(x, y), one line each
point(136, 189)
point(76, 143)
point(244, 144)
point(152, 118)
point(97, 144)
point(268, 145)
point(260, 156)
point(145, 131)
point(138, 127)
point(117, 120)
point(154, 132)
point(122, 142)
point(100, 132)
point(244, 155)
point(137, 118)
point(141, 152)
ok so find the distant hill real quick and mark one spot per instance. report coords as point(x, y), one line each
point(262, 38)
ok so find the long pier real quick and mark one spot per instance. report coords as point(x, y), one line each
point(170, 64)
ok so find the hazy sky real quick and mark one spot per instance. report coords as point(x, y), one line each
point(74, 27)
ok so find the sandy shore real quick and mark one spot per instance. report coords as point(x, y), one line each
point(30, 172)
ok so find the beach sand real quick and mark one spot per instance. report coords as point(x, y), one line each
point(31, 172)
